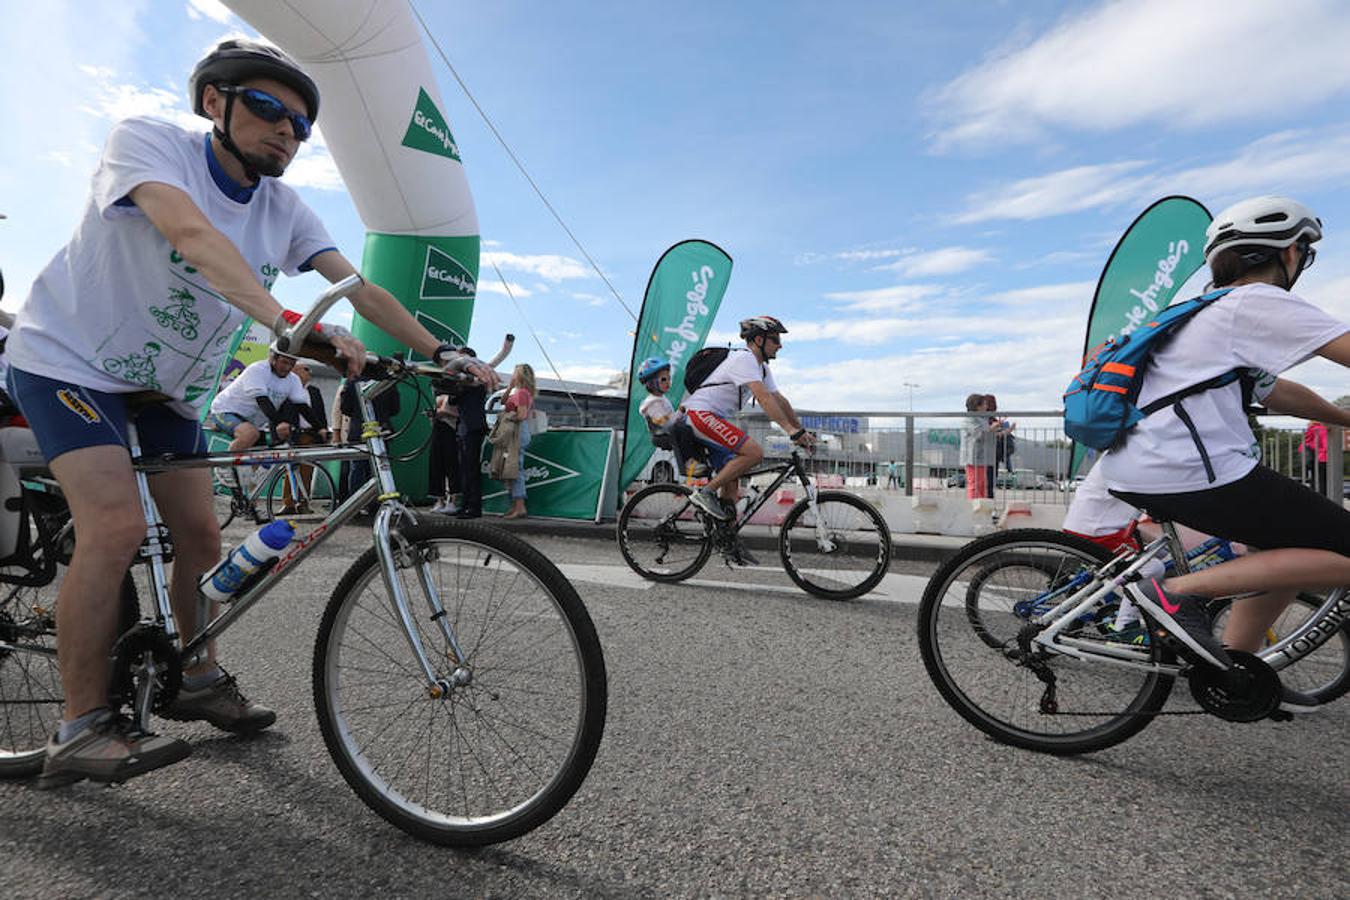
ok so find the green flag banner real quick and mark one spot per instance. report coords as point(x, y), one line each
point(1160, 250)
point(569, 474)
point(685, 289)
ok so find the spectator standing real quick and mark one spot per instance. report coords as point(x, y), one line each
point(1314, 450)
point(893, 475)
point(975, 447)
point(443, 459)
point(469, 435)
point(519, 404)
point(1000, 432)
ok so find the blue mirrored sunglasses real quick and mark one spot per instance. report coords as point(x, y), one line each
point(270, 109)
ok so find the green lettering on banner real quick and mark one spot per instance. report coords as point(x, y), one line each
point(428, 131)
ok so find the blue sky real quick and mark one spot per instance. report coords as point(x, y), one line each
point(925, 193)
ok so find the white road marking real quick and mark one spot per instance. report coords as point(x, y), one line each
point(894, 587)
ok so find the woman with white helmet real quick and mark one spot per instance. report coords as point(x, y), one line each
point(1197, 462)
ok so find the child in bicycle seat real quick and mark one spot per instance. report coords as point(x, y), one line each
point(668, 428)
point(1197, 462)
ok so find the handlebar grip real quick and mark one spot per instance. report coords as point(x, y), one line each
point(335, 292)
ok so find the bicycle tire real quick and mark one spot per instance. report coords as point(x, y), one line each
point(863, 536)
point(528, 640)
point(321, 499)
point(31, 695)
point(678, 527)
point(1323, 674)
point(974, 677)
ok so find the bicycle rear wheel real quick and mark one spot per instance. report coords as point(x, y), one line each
point(1323, 673)
point(983, 672)
point(492, 758)
point(839, 550)
point(661, 535)
point(317, 494)
point(31, 696)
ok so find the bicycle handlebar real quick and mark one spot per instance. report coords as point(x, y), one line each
point(296, 335)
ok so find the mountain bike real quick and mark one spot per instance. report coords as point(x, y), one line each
point(833, 544)
point(458, 680)
point(284, 491)
point(1018, 633)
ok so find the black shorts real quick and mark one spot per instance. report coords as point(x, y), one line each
point(1263, 509)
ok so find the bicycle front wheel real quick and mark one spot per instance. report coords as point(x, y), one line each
point(661, 535)
point(495, 754)
point(1000, 684)
point(1324, 673)
point(314, 497)
point(839, 550)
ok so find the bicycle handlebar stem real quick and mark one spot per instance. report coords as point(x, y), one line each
point(295, 337)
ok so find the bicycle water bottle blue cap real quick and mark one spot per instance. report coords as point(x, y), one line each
point(277, 534)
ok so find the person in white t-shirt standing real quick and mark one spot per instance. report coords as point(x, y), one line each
point(1197, 462)
point(733, 452)
point(182, 236)
point(254, 400)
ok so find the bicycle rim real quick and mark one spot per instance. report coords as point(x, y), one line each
point(839, 550)
point(660, 535)
point(997, 689)
point(486, 762)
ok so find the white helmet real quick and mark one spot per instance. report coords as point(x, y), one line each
point(1261, 222)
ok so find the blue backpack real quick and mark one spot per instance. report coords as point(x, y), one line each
point(1099, 404)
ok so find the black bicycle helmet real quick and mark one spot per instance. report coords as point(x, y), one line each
point(235, 60)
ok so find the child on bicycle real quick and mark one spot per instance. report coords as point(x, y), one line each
point(1197, 462)
point(668, 428)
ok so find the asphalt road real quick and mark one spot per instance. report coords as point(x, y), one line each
point(759, 743)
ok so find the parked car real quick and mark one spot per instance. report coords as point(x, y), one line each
point(956, 479)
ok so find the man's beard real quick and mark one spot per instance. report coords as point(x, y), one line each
point(265, 164)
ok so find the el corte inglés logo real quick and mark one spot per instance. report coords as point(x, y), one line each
point(428, 130)
point(445, 278)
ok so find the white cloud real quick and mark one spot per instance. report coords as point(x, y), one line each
point(591, 299)
point(551, 267)
point(209, 9)
point(1130, 63)
point(1285, 162)
point(894, 299)
point(495, 286)
point(1065, 191)
point(944, 261)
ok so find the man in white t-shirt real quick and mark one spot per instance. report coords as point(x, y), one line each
point(182, 237)
point(254, 400)
point(1196, 462)
point(732, 452)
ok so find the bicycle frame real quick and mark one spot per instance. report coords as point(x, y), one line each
point(380, 488)
point(1329, 618)
point(785, 470)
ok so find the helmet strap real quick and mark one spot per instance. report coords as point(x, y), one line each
point(228, 143)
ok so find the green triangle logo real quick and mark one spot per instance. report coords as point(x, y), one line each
point(445, 278)
point(538, 472)
point(428, 131)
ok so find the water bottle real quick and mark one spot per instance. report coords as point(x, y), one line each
point(747, 501)
point(230, 574)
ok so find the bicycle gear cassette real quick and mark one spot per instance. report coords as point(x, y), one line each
point(1247, 692)
point(143, 649)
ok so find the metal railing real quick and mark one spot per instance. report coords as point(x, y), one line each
point(863, 443)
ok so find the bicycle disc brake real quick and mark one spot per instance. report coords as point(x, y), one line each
point(145, 651)
point(1245, 693)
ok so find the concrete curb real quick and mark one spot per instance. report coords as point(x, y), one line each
point(921, 547)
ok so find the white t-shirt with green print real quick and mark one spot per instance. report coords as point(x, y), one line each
point(117, 309)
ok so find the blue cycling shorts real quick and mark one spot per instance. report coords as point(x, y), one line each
point(66, 417)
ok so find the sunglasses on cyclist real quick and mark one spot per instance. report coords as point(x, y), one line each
point(269, 109)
